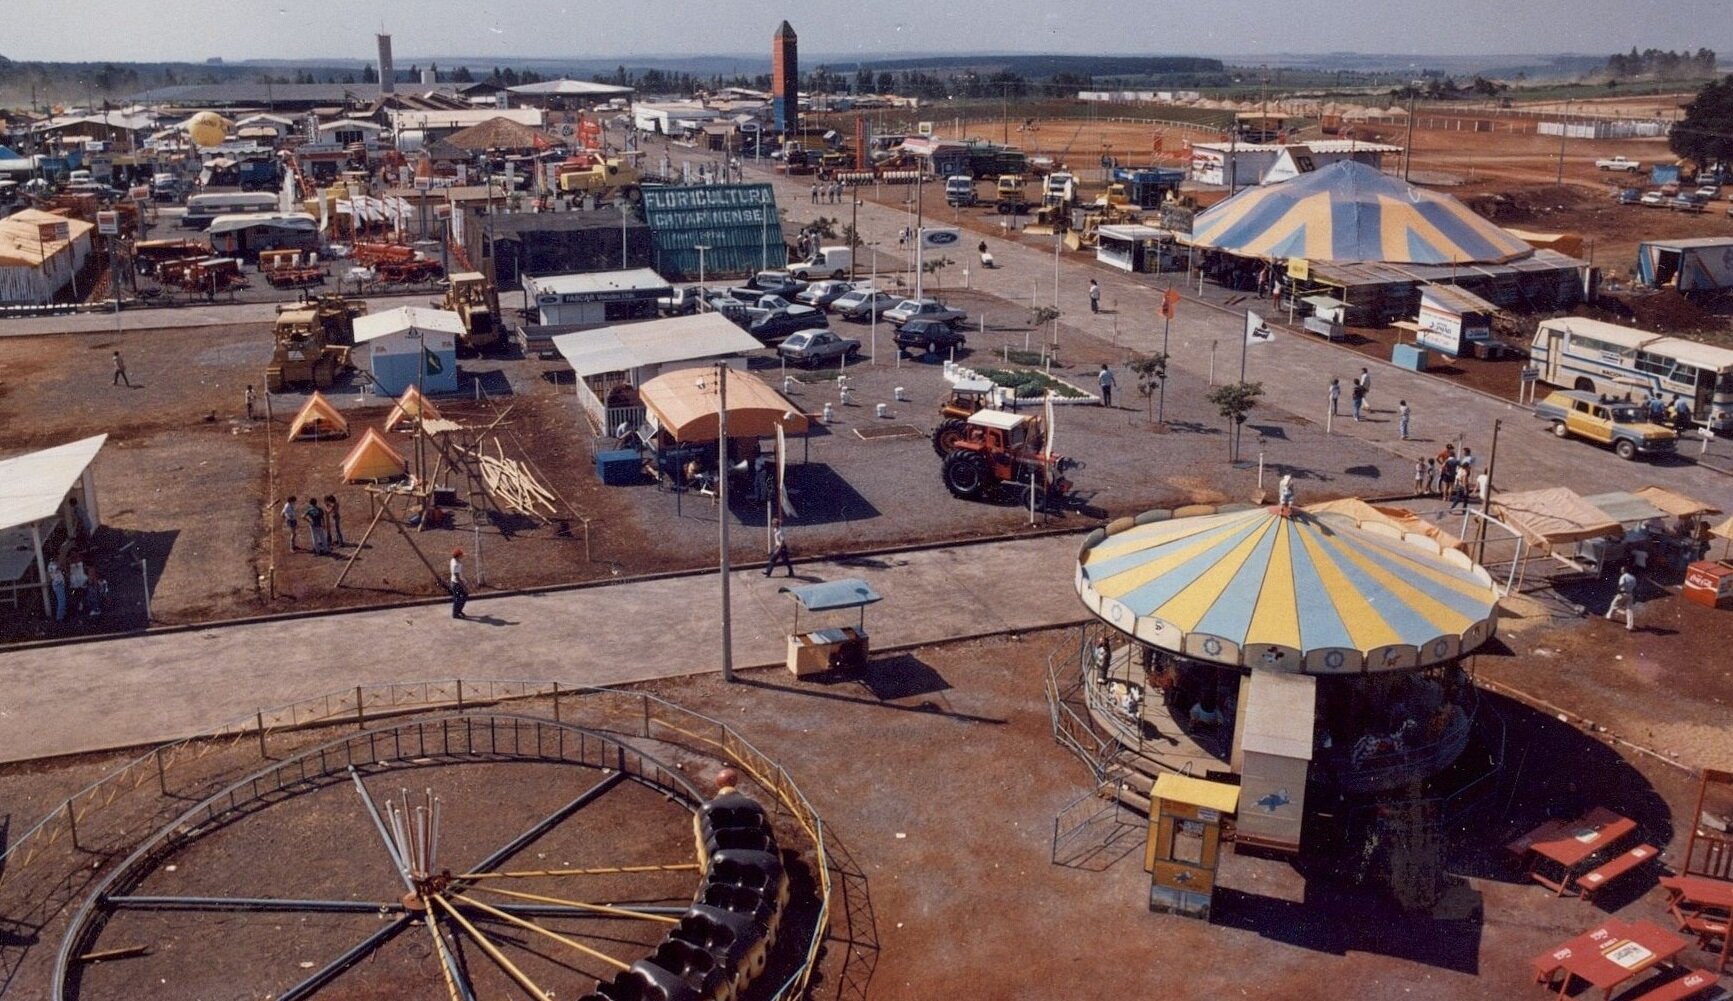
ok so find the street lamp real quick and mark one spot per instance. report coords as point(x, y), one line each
point(853, 233)
point(703, 292)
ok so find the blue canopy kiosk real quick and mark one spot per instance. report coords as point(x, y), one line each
point(835, 648)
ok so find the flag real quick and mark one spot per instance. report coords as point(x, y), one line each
point(1257, 332)
point(782, 501)
point(1169, 300)
point(1047, 418)
point(431, 361)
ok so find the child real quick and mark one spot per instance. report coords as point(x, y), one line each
point(1419, 476)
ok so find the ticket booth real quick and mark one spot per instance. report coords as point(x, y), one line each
point(829, 645)
point(1184, 847)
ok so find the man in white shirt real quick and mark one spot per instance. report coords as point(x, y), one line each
point(459, 592)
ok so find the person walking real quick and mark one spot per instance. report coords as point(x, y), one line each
point(1335, 396)
point(1625, 600)
point(779, 551)
point(1403, 416)
point(1459, 488)
point(120, 372)
point(814, 192)
point(1465, 465)
point(291, 521)
point(252, 403)
point(1094, 296)
point(1104, 379)
point(334, 520)
point(1358, 399)
point(1431, 477)
point(459, 590)
point(1681, 414)
point(315, 516)
point(1364, 382)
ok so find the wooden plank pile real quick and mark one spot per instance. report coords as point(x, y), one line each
point(511, 484)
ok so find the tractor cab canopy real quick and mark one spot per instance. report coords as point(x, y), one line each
point(1015, 427)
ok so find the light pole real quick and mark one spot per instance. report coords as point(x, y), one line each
point(1408, 144)
point(703, 292)
point(723, 516)
point(853, 233)
point(873, 306)
point(1564, 127)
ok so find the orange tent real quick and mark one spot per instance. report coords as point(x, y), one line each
point(318, 419)
point(373, 458)
point(411, 406)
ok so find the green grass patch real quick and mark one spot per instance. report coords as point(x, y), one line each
point(1029, 384)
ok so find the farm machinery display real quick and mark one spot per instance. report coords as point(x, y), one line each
point(995, 451)
point(311, 342)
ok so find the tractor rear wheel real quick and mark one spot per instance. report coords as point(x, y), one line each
point(947, 434)
point(966, 475)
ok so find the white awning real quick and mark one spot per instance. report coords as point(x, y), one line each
point(373, 326)
point(33, 486)
point(657, 342)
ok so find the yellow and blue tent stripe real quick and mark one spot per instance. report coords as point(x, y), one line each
point(1348, 211)
point(1254, 577)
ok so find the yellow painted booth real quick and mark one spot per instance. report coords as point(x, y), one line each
point(1184, 847)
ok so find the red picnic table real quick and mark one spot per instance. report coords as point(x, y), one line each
point(1703, 907)
point(1610, 954)
point(1567, 843)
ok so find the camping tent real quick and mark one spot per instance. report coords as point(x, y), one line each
point(373, 458)
point(411, 406)
point(318, 419)
point(683, 405)
point(1296, 593)
point(1348, 211)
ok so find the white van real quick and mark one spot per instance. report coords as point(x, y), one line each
point(828, 262)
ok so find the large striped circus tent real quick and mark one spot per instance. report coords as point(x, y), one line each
point(1350, 212)
point(1302, 592)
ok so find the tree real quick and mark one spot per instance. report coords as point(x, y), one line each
point(1151, 372)
point(934, 265)
point(462, 75)
point(369, 74)
point(1235, 400)
point(1705, 134)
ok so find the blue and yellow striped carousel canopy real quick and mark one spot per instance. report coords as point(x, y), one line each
point(1348, 211)
point(1308, 593)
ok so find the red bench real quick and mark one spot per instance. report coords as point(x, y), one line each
point(1688, 986)
point(1588, 883)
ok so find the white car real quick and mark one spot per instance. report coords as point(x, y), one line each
point(1653, 199)
point(926, 309)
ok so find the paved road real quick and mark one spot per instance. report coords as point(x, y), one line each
point(145, 689)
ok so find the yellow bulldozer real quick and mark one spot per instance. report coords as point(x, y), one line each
point(474, 299)
point(312, 339)
point(589, 173)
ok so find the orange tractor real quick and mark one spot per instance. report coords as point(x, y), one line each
point(1000, 450)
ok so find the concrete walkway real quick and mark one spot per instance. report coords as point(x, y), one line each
point(152, 688)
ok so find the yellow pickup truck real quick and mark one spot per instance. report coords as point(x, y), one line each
point(1621, 424)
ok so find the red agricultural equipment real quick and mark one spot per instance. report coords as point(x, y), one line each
point(208, 275)
point(288, 269)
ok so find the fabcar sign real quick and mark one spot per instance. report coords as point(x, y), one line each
point(938, 239)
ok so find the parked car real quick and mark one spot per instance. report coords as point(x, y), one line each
point(926, 309)
point(679, 301)
point(1619, 163)
point(931, 336)
point(777, 283)
point(1709, 192)
point(815, 347)
point(778, 324)
point(862, 305)
point(1670, 188)
point(822, 294)
point(1624, 426)
point(1628, 196)
point(1653, 199)
point(1685, 201)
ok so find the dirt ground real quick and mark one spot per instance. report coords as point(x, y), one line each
point(940, 787)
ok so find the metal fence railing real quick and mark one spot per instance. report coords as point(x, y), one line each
point(104, 816)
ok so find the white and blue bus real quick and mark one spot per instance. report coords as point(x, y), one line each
point(201, 209)
point(1575, 353)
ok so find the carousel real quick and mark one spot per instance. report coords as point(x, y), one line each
point(1310, 656)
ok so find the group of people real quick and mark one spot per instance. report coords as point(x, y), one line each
point(827, 192)
point(1449, 475)
point(324, 524)
point(77, 587)
point(1359, 399)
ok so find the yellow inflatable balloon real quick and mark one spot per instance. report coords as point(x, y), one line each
point(207, 128)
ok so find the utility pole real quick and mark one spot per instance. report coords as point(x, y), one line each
point(1486, 495)
point(1564, 127)
point(723, 516)
point(1408, 145)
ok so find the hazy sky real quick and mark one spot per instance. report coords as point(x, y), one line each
point(148, 30)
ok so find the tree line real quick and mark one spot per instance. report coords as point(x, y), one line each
point(1661, 64)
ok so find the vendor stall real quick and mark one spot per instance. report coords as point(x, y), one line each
point(47, 500)
point(815, 651)
point(1554, 518)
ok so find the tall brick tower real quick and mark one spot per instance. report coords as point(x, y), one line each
point(784, 81)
